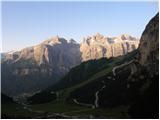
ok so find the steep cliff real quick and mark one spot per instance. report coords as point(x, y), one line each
point(149, 45)
point(98, 46)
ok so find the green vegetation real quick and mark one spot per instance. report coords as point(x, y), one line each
point(43, 97)
point(57, 107)
point(118, 112)
point(75, 110)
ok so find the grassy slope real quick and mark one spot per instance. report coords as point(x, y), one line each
point(119, 60)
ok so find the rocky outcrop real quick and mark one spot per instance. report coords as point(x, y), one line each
point(147, 75)
point(149, 44)
point(98, 46)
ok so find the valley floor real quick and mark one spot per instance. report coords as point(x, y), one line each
point(60, 110)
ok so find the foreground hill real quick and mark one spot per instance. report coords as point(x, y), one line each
point(121, 87)
point(35, 68)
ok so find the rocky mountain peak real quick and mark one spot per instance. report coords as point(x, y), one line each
point(94, 39)
point(72, 41)
point(98, 36)
point(126, 37)
point(55, 40)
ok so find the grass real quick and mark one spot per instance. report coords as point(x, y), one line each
point(67, 109)
point(57, 107)
point(118, 112)
point(75, 110)
point(65, 92)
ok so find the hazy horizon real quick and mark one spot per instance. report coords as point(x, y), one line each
point(28, 23)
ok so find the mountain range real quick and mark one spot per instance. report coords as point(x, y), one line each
point(36, 68)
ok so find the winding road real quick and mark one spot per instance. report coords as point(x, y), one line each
point(119, 66)
point(83, 104)
point(96, 101)
point(97, 97)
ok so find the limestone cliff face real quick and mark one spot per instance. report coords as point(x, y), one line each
point(149, 43)
point(56, 52)
point(98, 46)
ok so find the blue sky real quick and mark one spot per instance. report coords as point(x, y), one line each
point(29, 23)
